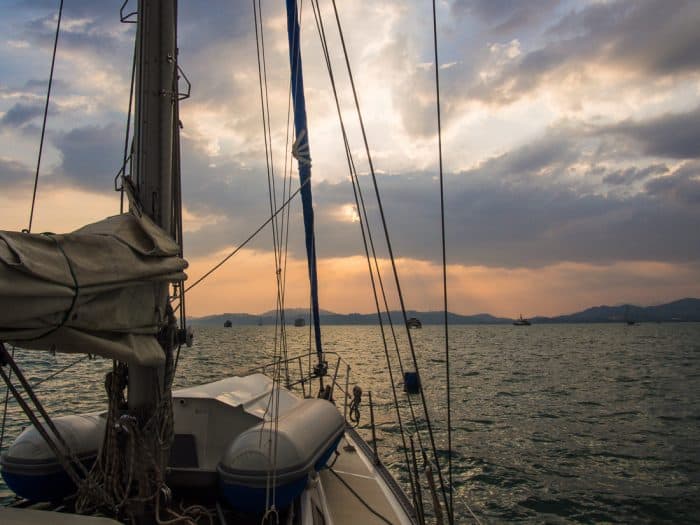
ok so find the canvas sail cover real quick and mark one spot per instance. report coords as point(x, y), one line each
point(96, 290)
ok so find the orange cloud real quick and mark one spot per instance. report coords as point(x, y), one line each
point(247, 284)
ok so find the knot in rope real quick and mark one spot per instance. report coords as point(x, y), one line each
point(355, 404)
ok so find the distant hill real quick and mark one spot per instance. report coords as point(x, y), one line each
point(331, 318)
point(677, 311)
point(681, 310)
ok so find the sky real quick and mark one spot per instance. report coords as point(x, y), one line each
point(571, 146)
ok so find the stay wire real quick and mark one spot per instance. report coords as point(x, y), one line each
point(286, 224)
point(128, 124)
point(262, 83)
point(46, 112)
point(450, 509)
point(355, 183)
point(269, 159)
point(265, 105)
point(4, 411)
point(177, 190)
point(248, 239)
point(60, 371)
point(391, 255)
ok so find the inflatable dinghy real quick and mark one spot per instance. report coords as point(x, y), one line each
point(305, 438)
point(30, 467)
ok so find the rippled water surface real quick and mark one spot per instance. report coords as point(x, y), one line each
point(552, 423)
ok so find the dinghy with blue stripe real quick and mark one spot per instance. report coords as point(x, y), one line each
point(31, 469)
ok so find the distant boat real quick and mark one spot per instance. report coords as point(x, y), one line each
point(630, 322)
point(228, 323)
point(260, 322)
point(521, 322)
point(414, 322)
point(299, 321)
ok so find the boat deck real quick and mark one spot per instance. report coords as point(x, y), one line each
point(11, 516)
point(357, 491)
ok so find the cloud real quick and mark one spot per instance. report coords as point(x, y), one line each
point(682, 188)
point(506, 15)
point(21, 114)
point(90, 156)
point(582, 191)
point(633, 174)
point(671, 135)
point(625, 39)
point(14, 175)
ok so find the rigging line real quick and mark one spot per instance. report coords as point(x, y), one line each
point(356, 184)
point(471, 512)
point(269, 160)
point(128, 123)
point(359, 498)
point(287, 189)
point(4, 411)
point(391, 254)
point(450, 509)
point(46, 112)
point(69, 365)
point(265, 118)
point(290, 127)
point(249, 238)
point(353, 176)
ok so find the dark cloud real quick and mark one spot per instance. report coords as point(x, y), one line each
point(649, 35)
point(91, 156)
point(521, 209)
point(682, 188)
point(633, 174)
point(506, 15)
point(672, 135)
point(14, 175)
point(86, 26)
point(20, 114)
point(649, 39)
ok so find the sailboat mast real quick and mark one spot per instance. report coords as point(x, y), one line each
point(153, 156)
point(303, 154)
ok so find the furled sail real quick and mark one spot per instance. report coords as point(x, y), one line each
point(96, 290)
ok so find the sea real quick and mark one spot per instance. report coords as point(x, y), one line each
point(588, 423)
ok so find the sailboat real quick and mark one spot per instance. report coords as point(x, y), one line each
point(521, 321)
point(239, 450)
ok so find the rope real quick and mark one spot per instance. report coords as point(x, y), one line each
point(464, 502)
point(69, 365)
point(359, 498)
point(4, 411)
point(391, 252)
point(65, 457)
point(364, 223)
point(450, 509)
point(355, 405)
point(128, 126)
point(46, 112)
point(248, 239)
point(76, 290)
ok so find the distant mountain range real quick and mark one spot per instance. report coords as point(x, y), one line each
point(677, 311)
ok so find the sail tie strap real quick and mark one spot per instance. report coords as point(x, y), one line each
point(76, 289)
point(300, 149)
